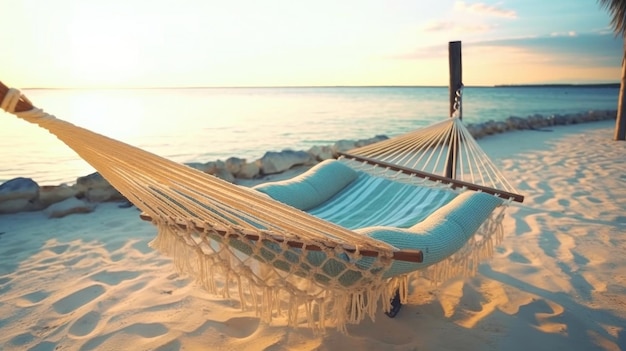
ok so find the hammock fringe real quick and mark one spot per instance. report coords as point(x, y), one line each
point(215, 267)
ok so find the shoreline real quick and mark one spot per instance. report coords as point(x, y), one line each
point(24, 194)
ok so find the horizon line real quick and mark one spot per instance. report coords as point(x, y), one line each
point(534, 85)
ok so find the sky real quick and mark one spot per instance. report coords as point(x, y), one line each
point(192, 43)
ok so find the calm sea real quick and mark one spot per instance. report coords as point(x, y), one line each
point(200, 125)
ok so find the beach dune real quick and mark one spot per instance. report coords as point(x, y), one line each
point(557, 282)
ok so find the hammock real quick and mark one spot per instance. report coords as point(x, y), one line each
point(333, 244)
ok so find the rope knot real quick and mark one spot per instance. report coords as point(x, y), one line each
point(10, 100)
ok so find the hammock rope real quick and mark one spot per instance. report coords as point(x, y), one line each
point(282, 258)
point(425, 149)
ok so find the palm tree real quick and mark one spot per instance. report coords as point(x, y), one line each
point(617, 9)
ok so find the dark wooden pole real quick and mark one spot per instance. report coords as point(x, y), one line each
point(456, 82)
point(456, 71)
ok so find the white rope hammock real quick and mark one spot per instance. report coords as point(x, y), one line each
point(434, 149)
point(279, 256)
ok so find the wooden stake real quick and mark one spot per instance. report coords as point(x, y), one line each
point(456, 71)
point(456, 79)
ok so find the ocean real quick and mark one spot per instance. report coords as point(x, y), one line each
point(206, 124)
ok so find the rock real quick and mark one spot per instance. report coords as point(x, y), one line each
point(276, 162)
point(91, 181)
point(67, 207)
point(19, 188)
point(95, 188)
point(224, 174)
point(103, 195)
point(517, 123)
point(364, 142)
point(202, 167)
point(213, 166)
point(234, 164)
point(475, 131)
point(321, 153)
point(49, 194)
point(18, 195)
point(343, 146)
point(19, 205)
point(249, 171)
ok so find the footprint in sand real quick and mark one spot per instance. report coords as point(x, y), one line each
point(238, 327)
point(145, 330)
point(518, 258)
point(579, 259)
point(172, 345)
point(36, 296)
point(85, 324)
point(595, 200)
point(58, 249)
point(22, 339)
point(77, 299)
point(114, 278)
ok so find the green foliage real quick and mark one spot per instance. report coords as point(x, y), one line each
point(617, 10)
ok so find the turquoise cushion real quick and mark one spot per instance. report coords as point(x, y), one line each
point(440, 235)
point(311, 188)
point(377, 201)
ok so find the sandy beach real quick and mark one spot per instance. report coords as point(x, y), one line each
point(557, 282)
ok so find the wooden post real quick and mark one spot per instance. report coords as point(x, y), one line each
point(456, 71)
point(456, 82)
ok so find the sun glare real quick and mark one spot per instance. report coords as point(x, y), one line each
point(101, 54)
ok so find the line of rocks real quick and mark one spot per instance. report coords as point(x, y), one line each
point(24, 194)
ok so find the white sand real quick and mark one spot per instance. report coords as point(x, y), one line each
point(558, 282)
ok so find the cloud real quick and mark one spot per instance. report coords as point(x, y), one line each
point(564, 34)
point(451, 26)
point(566, 49)
point(483, 9)
point(570, 48)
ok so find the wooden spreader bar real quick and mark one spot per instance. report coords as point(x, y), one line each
point(402, 255)
point(445, 180)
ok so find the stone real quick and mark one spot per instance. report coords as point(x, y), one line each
point(202, 167)
point(93, 180)
point(249, 171)
point(50, 194)
point(364, 142)
point(234, 164)
point(516, 123)
point(19, 195)
point(19, 205)
point(343, 146)
point(277, 162)
point(213, 166)
point(95, 188)
point(19, 188)
point(501, 127)
point(68, 206)
point(224, 174)
point(103, 195)
point(321, 153)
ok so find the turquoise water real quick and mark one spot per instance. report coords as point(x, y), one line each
point(200, 125)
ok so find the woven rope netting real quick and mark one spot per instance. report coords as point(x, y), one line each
point(280, 258)
point(435, 148)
